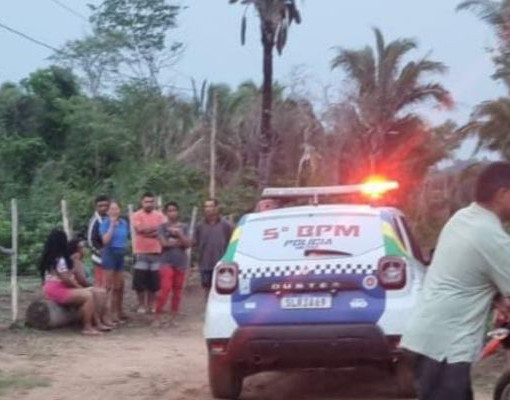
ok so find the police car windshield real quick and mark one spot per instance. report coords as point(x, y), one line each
point(298, 235)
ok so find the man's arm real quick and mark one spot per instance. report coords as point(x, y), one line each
point(496, 250)
point(143, 230)
point(229, 230)
point(165, 242)
point(182, 234)
point(94, 237)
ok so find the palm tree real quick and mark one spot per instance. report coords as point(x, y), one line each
point(382, 106)
point(497, 15)
point(491, 121)
point(275, 16)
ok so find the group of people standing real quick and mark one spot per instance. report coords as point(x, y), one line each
point(160, 246)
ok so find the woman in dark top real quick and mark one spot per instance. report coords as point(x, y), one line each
point(60, 285)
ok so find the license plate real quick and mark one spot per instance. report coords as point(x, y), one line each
point(306, 302)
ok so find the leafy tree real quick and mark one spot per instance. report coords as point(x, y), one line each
point(275, 16)
point(141, 27)
point(97, 140)
point(51, 86)
point(20, 113)
point(96, 58)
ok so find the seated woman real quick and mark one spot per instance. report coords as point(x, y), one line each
point(60, 284)
point(101, 313)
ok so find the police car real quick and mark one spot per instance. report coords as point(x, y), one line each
point(314, 286)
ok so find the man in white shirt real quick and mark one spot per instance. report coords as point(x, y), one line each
point(471, 266)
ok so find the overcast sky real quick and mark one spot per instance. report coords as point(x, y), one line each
point(210, 30)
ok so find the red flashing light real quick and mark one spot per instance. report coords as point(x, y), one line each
point(376, 187)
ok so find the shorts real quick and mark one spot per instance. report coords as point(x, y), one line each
point(113, 258)
point(144, 280)
point(206, 278)
point(147, 262)
point(56, 291)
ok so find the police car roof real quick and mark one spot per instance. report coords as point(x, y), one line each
point(326, 209)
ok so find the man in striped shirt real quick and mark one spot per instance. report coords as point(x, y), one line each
point(94, 240)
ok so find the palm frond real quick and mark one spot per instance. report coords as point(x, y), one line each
point(359, 65)
point(491, 122)
point(487, 10)
point(389, 57)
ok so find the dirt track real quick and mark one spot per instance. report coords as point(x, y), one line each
point(138, 362)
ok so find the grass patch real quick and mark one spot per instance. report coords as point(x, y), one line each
point(21, 381)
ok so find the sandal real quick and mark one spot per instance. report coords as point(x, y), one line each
point(91, 332)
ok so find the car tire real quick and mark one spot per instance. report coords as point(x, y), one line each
point(404, 376)
point(225, 382)
point(502, 389)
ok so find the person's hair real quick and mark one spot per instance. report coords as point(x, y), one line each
point(73, 246)
point(113, 201)
point(214, 201)
point(172, 204)
point(148, 194)
point(494, 177)
point(101, 198)
point(55, 247)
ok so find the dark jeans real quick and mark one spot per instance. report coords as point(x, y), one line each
point(442, 381)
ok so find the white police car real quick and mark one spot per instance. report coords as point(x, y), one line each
point(314, 286)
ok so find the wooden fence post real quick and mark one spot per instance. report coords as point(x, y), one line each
point(192, 224)
point(189, 251)
point(131, 227)
point(65, 219)
point(14, 260)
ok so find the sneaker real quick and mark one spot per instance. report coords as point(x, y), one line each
point(141, 310)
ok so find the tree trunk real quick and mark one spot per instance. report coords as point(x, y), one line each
point(266, 133)
point(45, 314)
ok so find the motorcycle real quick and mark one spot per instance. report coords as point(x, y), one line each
point(498, 337)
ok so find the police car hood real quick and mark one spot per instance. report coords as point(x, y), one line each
point(297, 240)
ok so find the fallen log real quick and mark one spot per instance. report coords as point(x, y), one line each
point(46, 314)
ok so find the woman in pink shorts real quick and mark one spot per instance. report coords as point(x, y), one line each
point(60, 284)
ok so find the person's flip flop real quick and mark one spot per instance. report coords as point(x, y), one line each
point(91, 333)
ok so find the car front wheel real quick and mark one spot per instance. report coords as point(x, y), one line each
point(225, 381)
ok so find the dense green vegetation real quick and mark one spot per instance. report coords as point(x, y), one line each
point(101, 120)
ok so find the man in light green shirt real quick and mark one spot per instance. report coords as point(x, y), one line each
point(471, 266)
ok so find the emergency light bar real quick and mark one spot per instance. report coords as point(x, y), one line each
point(372, 189)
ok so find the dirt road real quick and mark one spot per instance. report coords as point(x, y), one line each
point(138, 362)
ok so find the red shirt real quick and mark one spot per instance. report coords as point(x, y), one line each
point(147, 220)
